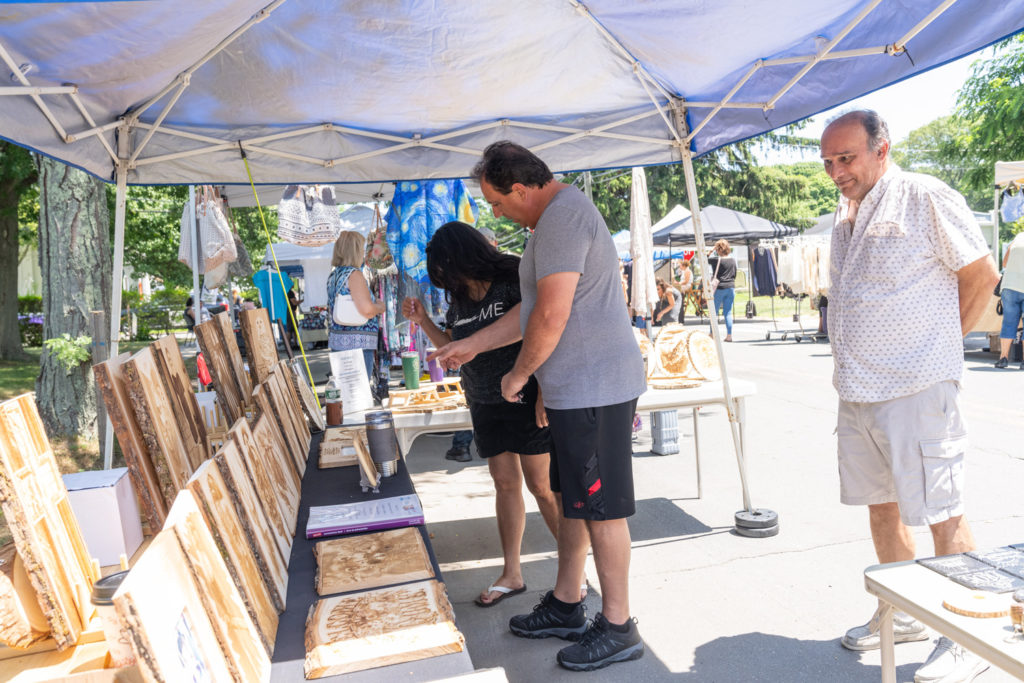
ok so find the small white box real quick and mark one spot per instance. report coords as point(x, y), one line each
point(107, 512)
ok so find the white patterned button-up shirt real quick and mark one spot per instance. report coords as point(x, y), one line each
point(894, 306)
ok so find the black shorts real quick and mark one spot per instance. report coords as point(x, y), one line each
point(512, 427)
point(592, 461)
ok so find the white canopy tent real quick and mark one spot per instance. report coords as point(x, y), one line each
point(1009, 172)
point(317, 91)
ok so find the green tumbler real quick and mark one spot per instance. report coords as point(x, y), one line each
point(411, 369)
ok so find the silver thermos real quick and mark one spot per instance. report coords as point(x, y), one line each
point(380, 435)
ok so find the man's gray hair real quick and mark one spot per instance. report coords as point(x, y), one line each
point(874, 125)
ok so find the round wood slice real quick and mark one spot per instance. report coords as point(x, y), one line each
point(979, 605)
point(673, 357)
point(673, 383)
point(700, 348)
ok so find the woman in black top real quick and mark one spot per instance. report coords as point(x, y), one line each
point(723, 266)
point(482, 285)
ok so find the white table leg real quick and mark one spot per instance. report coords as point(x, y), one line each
point(696, 446)
point(888, 642)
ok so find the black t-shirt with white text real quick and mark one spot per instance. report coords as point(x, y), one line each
point(481, 377)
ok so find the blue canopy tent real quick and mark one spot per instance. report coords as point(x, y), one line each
point(315, 91)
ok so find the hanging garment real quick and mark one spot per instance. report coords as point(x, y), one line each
point(1012, 208)
point(791, 268)
point(272, 297)
point(418, 209)
point(378, 256)
point(765, 276)
point(308, 215)
point(824, 268)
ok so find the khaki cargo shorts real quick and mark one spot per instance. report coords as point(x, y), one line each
point(908, 450)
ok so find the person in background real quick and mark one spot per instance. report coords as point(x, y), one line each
point(723, 266)
point(482, 286)
point(463, 439)
point(577, 339)
point(1012, 295)
point(669, 303)
point(908, 263)
point(347, 278)
point(684, 286)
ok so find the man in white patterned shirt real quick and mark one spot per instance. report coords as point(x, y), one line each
point(911, 274)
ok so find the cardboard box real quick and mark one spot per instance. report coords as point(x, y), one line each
point(107, 511)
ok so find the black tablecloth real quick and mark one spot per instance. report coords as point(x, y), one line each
point(330, 487)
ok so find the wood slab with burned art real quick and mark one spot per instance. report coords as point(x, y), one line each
point(22, 623)
point(234, 355)
point(114, 390)
point(384, 558)
point(288, 400)
point(307, 397)
point(337, 448)
point(274, 492)
point(211, 342)
point(266, 530)
point(191, 424)
point(46, 534)
point(245, 645)
point(170, 630)
point(155, 418)
point(262, 592)
point(275, 454)
point(380, 627)
point(260, 348)
point(265, 405)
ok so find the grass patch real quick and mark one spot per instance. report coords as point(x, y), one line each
point(19, 376)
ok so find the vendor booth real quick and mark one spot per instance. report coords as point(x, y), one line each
point(250, 92)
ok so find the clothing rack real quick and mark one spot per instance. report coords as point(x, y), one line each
point(786, 292)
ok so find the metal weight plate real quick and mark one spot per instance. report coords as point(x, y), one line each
point(758, 518)
point(758, 533)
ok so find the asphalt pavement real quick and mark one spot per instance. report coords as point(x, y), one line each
point(712, 605)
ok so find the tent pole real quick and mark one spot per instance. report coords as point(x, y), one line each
point(123, 136)
point(197, 302)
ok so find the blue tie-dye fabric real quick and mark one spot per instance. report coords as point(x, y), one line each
point(418, 209)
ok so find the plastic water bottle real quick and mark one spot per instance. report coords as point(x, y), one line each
point(332, 398)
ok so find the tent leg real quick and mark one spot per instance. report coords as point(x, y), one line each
point(730, 403)
point(115, 280)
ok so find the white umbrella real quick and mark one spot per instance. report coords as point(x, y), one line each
point(644, 295)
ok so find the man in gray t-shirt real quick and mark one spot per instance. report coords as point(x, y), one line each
point(578, 342)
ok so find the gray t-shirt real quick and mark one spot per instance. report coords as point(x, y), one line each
point(597, 361)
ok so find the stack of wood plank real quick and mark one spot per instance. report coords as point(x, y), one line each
point(46, 591)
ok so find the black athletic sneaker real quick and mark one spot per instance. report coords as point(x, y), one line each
point(1002, 362)
point(545, 621)
point(459, 454)
point(602, 645)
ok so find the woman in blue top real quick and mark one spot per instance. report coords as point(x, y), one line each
point(347, 278)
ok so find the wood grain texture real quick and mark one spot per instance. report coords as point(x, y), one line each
point(274, 494)
point(337, 448)
point(307, 397)
point(211, 342)
point(289, 400)
point(365, 460)
point(170, 631)
point(155, 417)
point(264, 400)
point(230, 343)
point(114, 389)
point(378, 628)
point(221, 519)
point(260, 348)
point(384, 558)
point(38, 513)
point(22, 623)
point(240, 640)
point(279, 467)
point(272, 540)
point(259, 590)
point(179, 390)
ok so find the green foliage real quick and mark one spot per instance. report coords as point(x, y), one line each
point(130, 298)
point(937, 148)
point(143, 333)
point(171, 297)
point(991, 107)
point(70, 352)
point(30, 304)
point(31, 331)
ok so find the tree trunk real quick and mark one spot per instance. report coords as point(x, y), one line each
point(74, 258)
point(10, 337)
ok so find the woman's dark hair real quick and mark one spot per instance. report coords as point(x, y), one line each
point(457, 253)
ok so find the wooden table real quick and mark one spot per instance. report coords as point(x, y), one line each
point(919, 591)
point(410, 425)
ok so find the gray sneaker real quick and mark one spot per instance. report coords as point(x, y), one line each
point(905, 629)
point(950, 663)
